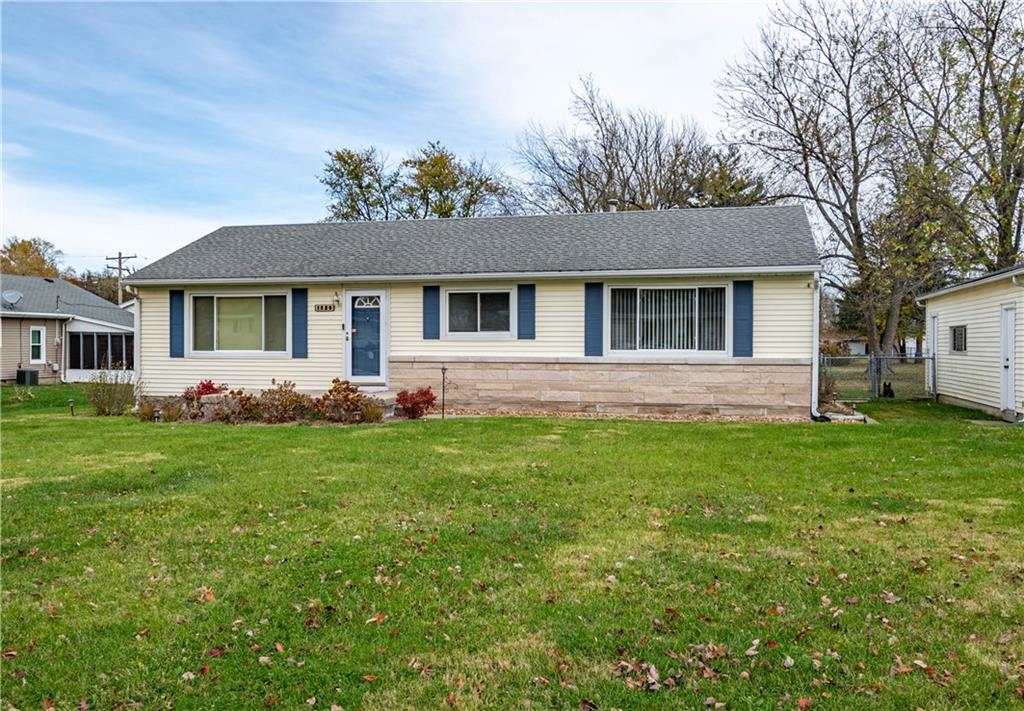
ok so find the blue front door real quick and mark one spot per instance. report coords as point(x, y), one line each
point(365, 336)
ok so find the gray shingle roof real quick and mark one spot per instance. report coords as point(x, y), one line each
point(709, 238)
point(39, 295)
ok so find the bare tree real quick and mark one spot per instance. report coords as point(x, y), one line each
point(811, 103)
point(636, 157)
point(959, 74)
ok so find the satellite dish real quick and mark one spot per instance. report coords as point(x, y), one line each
point(12, 296)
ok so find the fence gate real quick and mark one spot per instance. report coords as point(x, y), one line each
point(866, 377)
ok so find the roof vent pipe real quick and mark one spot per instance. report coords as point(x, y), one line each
point(613, 204)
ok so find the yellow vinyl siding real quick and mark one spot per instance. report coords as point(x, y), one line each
point(783, 321)
point(559, 324)
point(782, 329)
point(975, 374)
point(163, 375)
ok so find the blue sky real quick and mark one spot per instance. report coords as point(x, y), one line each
point(141, 127)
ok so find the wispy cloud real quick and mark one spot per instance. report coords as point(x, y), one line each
point(146, 124)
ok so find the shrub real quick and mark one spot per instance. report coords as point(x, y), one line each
point(194, 394)
point(282, 404)
point(147, 411)
point(111, 392)
point(172, 411)
point(827, 386)
point(415, 405)
point(372, 409)
point(341, 403)
point(235, 406)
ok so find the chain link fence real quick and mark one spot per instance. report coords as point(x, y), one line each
point(866, 377)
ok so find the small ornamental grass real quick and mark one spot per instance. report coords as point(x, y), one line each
point(372, 409)
point(111, 392)
point(172, 411)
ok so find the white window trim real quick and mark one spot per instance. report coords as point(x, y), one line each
point(41, 330)
point(687, 353)
point(952, 339)
point(510, 334)
point(260, 354)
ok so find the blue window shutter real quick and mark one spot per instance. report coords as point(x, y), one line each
point(526, 307)
point(743, 318)
point(431, 312)
point(300, 323)
point(593, 319)
point(177, 323)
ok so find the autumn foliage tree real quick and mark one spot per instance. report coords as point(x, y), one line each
point(431, 183)
point(31, 257)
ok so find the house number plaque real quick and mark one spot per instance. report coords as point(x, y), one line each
point(321, 308)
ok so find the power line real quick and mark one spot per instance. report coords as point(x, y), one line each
point(121, 269)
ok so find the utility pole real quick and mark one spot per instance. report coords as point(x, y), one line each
point(121, 269)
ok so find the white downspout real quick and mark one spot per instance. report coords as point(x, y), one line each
point(62, 357)
point(815, 359)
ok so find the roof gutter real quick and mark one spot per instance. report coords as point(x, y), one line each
point(1013, 275)
point(37, 314)
point(703, 271)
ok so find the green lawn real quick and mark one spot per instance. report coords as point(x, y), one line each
point(511, 562)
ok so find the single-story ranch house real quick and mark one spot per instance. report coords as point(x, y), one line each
point(975, 330)
point(677, 311)
point(61, 331)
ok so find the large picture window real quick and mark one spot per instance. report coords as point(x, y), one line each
point(240, 323)
point(105, 351)
point(480, 312)
point(669, 319)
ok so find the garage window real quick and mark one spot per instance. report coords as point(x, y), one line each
point(958, 339)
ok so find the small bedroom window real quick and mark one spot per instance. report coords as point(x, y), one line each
point(484, 313)
point(958, 339)
point(37, 344)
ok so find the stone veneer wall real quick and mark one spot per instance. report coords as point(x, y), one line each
point(740, 387)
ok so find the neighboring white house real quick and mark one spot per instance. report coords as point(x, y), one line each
point(975, 329)
point(699, 310)
point(61, 331)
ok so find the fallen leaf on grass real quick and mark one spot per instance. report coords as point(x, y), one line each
point(378, 618)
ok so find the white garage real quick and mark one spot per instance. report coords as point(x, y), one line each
point(975, 329)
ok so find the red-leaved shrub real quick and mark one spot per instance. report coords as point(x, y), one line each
point(415, 405)
point(194, 394)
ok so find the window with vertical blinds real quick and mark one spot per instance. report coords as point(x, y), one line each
point(674, 319)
